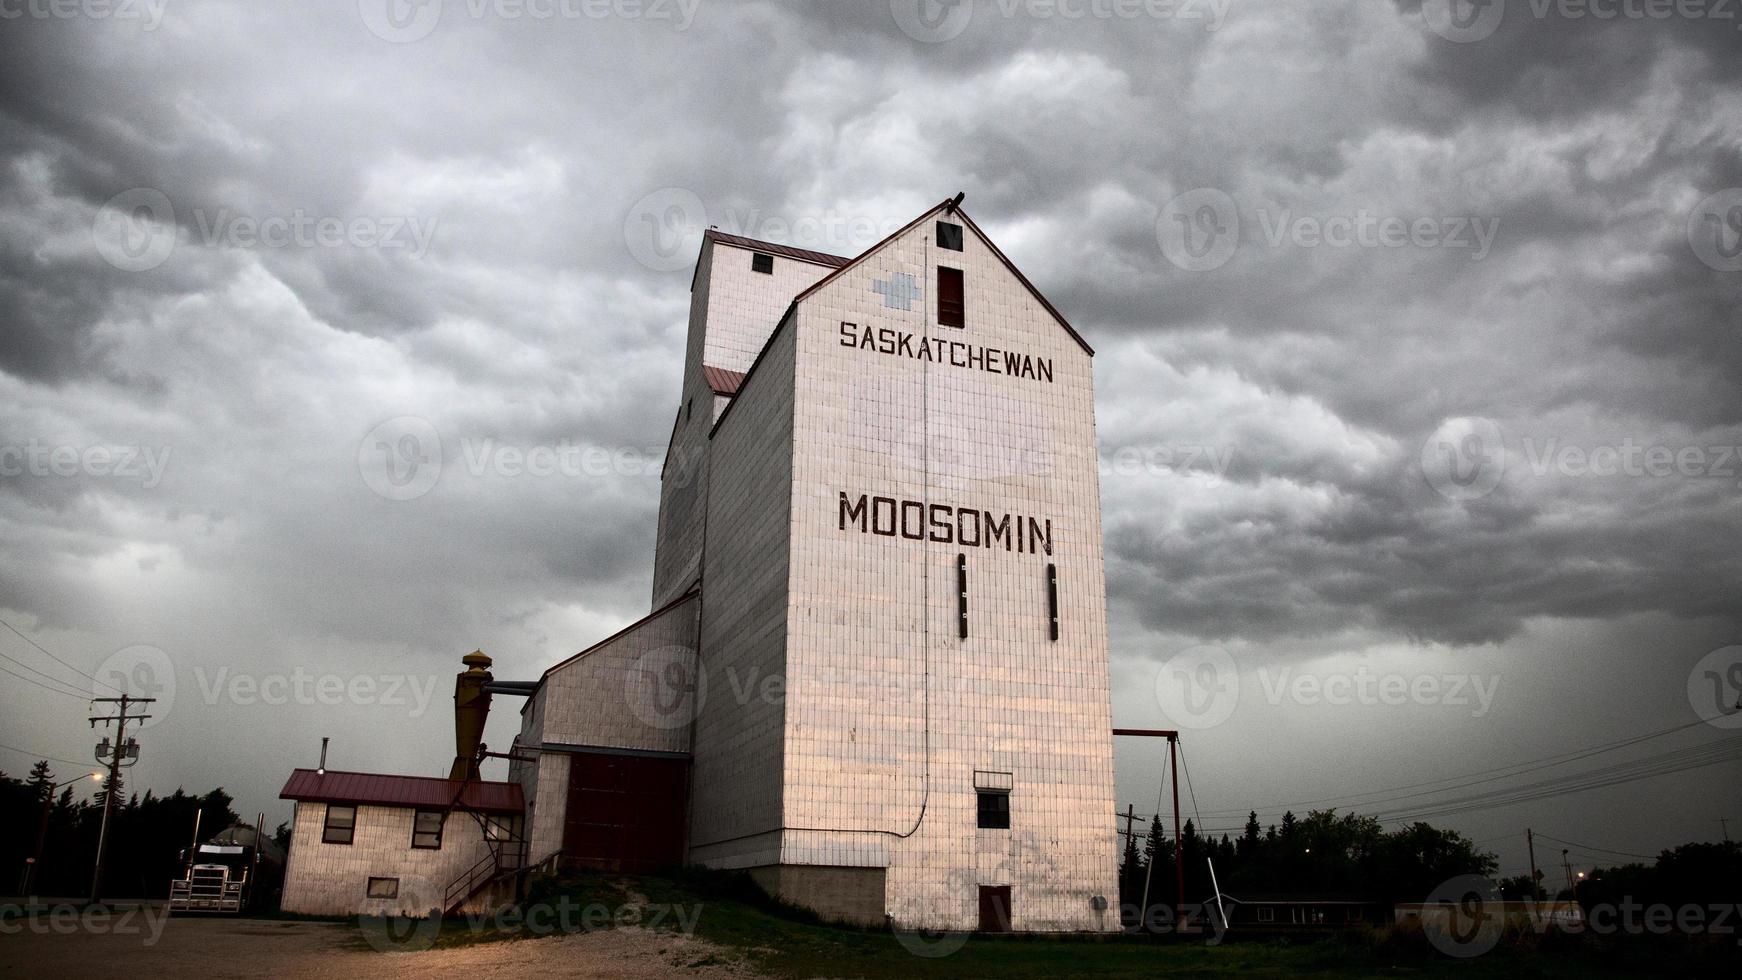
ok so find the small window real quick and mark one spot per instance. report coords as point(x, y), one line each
point(340, 825)
point(762, 262)
point(994, 810)
point(950, 308)
point(689, 409)
point(426, 829)
point(949, 236)
point(1266, 914)
point(383, 887)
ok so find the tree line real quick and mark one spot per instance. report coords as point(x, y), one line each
point(146, 835)
point(1324, 854)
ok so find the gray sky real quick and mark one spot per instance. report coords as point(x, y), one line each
point(1420, 358)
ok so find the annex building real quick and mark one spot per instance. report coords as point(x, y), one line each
point(875, 676)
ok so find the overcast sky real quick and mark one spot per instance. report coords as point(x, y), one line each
point(1419, 359)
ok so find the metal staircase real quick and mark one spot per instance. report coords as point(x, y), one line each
point(506, 857)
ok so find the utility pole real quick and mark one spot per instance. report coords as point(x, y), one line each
point(1725, 823)
point(1179, 847)
point(122, 748)
point(1130, 815)
point(1179, 864)
point(1535, 875)
point(1567, 863)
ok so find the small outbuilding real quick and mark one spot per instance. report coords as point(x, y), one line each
point(372, 844)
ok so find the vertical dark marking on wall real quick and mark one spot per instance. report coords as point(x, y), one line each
point(1052, 598)
point(962, 595)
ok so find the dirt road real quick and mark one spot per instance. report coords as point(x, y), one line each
point(223, 948)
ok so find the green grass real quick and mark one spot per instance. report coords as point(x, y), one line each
point(785, 941)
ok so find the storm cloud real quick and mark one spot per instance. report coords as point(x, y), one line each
point(283, 249)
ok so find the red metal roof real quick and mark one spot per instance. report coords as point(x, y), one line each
point(420, 792)
point(722, 380)
point(802, 254)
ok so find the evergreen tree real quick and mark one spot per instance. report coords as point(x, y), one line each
point(42, 780)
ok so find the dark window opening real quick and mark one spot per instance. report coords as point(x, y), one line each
point(994, 810)
point(762, 262)
point(340, 825)
point(1052, 598)
point(949, 236)
point(426, 829)
point(689, 409)
point(383, 887)
point(950, 309)
point(962, 595)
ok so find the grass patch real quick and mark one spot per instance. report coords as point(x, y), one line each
point(785, 941)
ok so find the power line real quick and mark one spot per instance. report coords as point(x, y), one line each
point(1592, 847)
point(33, 670)
point(80, 695)
point(1696, 757)
point(38, 755)
point(1479, 776)
point(58, 660)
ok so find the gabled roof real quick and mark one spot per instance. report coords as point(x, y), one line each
point(757, 245)
point(632, 627)
point(862, 256)
point(801, 254)
point(417, 792)
point(957, 212)
point(722, 380)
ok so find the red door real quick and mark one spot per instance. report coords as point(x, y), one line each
point(625, 812)
point(994, 908)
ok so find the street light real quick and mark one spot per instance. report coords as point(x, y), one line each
point(42, 830)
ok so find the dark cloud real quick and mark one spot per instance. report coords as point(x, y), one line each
point(1271, 412)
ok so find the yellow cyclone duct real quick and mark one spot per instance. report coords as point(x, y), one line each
point(471, 711)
